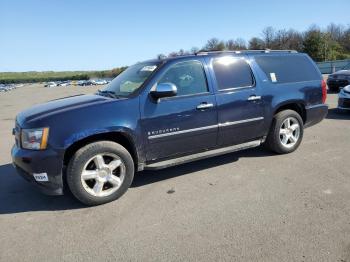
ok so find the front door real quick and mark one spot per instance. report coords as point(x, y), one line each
point(185, 123)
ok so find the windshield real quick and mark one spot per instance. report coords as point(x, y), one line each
point(131, 79)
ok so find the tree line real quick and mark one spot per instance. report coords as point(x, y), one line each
point(330, 43)
point(47, 76)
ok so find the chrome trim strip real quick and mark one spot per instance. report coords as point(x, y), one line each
point(204, 106)
point(254, 98)
point(205, 127)
point(241, 121)
point(343, 108)
point(315, 106)
point(182, 131)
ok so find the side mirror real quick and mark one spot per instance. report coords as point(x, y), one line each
point(164, 90)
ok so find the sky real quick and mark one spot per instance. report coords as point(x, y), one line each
point(59, 35)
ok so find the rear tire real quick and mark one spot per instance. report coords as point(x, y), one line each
point(100, 172)
point(286, 132)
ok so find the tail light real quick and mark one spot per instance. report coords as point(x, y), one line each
point(324, 91)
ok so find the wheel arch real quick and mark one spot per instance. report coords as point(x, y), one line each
point(119, 137)
point(296, 105)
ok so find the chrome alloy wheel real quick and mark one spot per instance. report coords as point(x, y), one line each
point(289, 132)
point(103, 174)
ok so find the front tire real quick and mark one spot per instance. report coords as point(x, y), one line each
point(100, 172)
point(286, 132)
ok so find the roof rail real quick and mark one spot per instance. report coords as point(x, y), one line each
point(245, 51)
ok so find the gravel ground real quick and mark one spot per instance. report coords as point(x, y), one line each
point(246, 206)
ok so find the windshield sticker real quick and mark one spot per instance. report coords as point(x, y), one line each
point(148, 68)
point(273, 77)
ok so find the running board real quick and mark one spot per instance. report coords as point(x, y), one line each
point(202, 155)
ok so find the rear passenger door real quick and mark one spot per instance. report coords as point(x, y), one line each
point(239, 100)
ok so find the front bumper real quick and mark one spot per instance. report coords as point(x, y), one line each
point(344, 101)
point(315, 114)
point(29, 162)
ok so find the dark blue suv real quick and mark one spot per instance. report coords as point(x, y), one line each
point(161, 113)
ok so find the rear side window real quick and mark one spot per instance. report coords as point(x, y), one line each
point(232, 72)
point(287, 69)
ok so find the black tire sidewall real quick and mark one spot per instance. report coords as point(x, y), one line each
point(78, 162)
point(273, 140)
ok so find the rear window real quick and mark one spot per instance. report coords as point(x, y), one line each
point(232, 72)
point(287, 69)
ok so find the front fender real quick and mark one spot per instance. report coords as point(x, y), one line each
point(111, 133)
point(83, 134)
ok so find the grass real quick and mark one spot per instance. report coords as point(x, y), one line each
point(34, 76)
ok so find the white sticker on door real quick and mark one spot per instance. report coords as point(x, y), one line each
point(273, 77)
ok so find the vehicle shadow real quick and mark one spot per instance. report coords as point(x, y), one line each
point(19, 196)
point(335, 113)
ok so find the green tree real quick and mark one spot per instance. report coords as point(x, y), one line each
point(332, 49)
point(314, 44)
point(256, 44)
point(161, 56)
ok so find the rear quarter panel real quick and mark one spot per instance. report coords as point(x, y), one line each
point(276, 95)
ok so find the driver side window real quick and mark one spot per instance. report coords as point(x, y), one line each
point(189, 78)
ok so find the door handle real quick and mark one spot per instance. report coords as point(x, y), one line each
point(204, 106)
point(254, 98)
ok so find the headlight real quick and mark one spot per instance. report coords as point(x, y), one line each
point(347, 89)
point(35, 139)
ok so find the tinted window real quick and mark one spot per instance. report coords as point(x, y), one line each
point(189, 78)
point(288, 68)
point(232, 72)
point(131, 79)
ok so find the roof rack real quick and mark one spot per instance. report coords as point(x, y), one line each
point(245, 52)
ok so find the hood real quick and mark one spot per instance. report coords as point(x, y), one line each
point(59, 106)
point(342, 72)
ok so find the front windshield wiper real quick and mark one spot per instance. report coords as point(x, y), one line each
point(108, 93)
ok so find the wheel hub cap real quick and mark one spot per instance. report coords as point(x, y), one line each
point(103, 174)
point(289, 132)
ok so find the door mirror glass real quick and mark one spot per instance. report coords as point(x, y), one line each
point(164, 90)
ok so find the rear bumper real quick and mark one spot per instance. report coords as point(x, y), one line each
point(315, 114)
point(29, 162)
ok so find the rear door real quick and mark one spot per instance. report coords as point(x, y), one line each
point(239, 100)
point(186, 123)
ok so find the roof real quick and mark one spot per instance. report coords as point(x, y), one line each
point(213, 53)
point(265, 51)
